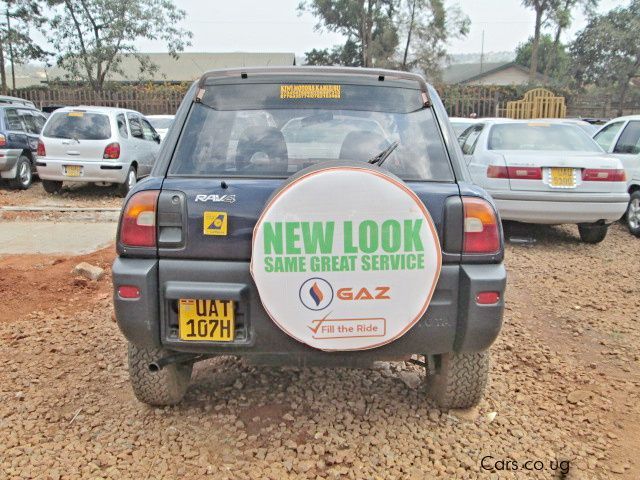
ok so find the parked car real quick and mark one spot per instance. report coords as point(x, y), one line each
point(201, 261)
point(621, 138)
point(96, 144)
point(161, 123)
point(20, 126)
point(547, 172)
point(460, 124)
point(588, 128)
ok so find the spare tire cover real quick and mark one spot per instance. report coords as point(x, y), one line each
point(345, 257)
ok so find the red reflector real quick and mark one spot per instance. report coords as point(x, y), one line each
point(496, 171)
point(138, 227)
point(487, 298)
point(112, 151)
point(525, 173)
point(41, 150)
point(128, 291)
point(603, 175)
point(481, 229)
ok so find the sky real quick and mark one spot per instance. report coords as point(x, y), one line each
point(276, 26)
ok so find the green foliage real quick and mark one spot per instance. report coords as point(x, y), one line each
point(367, 24)
point(348, 55)
point(607, 52)
point(91, 36)
point(552, 58)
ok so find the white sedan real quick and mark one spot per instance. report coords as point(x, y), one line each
point(546, 172)
point(621, 138)
point(161, 123)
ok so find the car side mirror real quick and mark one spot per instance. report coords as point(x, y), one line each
point(136, 132)
point(156, 137)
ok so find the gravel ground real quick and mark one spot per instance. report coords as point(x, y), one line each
point(72, 195)
point(564, 389)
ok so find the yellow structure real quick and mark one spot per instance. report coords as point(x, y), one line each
point(537, 103)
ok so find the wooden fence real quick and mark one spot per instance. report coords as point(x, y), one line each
point(484, 101)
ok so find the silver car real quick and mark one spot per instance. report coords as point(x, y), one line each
point(161, 123)
point(621, 138)
point(547, 172)
point(96, 144)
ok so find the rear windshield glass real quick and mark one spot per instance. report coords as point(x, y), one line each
point(275, 130)
point(78, 125)
point(540, 136)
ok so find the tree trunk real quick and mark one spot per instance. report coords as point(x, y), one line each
point(3, 73)
point(552, 55)
point(406, 48)
point(623, 93)
point(533, 69)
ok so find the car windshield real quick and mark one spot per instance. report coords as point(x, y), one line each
point(78, 125)
point(459, 127)
point(540, 136)
point(160, 123)
point(268, 131)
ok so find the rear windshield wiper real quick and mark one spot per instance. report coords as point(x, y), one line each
point(383, 155)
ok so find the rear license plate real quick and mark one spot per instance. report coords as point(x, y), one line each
point(72, 170)
point(562, 177)
point(209, 320)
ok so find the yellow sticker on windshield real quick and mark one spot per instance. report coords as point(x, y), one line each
point(310, 91)
point(76, 114)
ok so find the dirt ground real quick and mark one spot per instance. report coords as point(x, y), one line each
point(563, 401)
point(88, 195)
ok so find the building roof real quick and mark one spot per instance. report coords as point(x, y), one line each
point(186, 67)
point(470, 72)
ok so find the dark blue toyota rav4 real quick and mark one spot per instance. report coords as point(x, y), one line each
point(310, 216)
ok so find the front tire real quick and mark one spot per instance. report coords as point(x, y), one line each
point(129, 183)
point(163, 387)
point(459, 380)
point(633, 214)
point(24, 176)
point(52, 186)
point(592, 232)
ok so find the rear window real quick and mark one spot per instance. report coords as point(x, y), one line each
point(78, 125)
point(276, 130)
point(540, 136)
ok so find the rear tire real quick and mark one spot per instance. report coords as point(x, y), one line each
point(129, 183)
point(633, 214)
point(52, 186)
point(164, 387)
point(24, 175)
point(592, 232)
point(460, 379)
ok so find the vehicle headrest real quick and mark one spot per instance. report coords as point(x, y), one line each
point(262, 148)
point(362, 145)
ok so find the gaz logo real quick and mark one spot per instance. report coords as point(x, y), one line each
point(316, 293)
point(215, 223)
point(378, 293)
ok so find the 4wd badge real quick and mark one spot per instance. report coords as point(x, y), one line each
point(215, 223)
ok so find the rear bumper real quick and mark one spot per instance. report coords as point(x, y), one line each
point(8, 159)
point(108, 171)
point(560, 208)
point(453, 321)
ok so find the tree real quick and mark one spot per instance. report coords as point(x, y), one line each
point(541, 8)
point(606, 52)
point(560, 18)
point(347, 55)
point(92, 36)
point(17, 17)
point(427, 25)
point(367, 25)
point(553, 58)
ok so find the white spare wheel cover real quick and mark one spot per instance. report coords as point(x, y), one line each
point(345, 257)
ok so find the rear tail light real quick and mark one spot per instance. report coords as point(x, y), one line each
point(112, 151)
point(481, 229)
point(3, 140)
point(514, 173)
point(138, 226)
point(603, 175)
point(42, 152)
